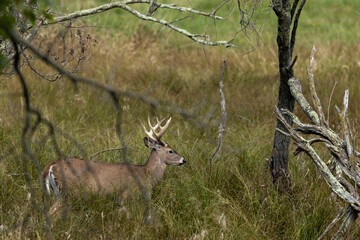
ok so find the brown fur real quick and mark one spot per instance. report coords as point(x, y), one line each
point(74, 175)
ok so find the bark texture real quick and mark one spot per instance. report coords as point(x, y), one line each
point(341, 172)
point(285, 13)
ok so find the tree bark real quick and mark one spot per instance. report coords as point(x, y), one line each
point(279, 156)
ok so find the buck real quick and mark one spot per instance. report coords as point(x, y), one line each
point(75, 175)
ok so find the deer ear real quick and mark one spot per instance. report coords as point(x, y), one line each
point(150, 143)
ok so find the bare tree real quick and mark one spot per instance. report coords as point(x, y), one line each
point(341, 172)
point(287, 15)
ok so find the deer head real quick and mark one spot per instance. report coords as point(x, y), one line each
point(164, 151)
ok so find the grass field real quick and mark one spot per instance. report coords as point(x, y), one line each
point(233, 198)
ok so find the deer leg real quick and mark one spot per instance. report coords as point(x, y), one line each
point(55, 207)
point(148, 211)
point(122, 197)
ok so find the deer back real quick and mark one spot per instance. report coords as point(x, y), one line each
point(75, 175)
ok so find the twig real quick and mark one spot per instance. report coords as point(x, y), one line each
point(282, 132)
point(329, 104)
point(223, 115)
point(345, 126)
point(124, 5)
point(349, 219)
point(293, 8)
point(296, 21)
point(109, 6)
point(290, 68)
point(40, 74)
point(336, 219)
point(315, 98)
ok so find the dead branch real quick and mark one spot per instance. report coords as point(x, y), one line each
point(349, 219)
point(315, 98)
point(296, 22)
point(122, 5)
point(333, 222)
point(223, 115)
point(342, 178)
point(329, 103)
point(125, 6)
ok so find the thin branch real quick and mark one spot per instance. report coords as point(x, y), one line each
point(282, 132)
point(329, 104)
point(112, 5)
point(349, 219)
point(296, 21)
point(293, 8)
point(58, 76)
point(27, 134)
point(314, 96)
point(333, 222)
point(290, 68)
point(344, 119)
point(124, 5)
point(223, 115)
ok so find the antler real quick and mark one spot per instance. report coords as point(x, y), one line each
point(152, 133)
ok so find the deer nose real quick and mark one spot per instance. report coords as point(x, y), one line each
point(182, 161)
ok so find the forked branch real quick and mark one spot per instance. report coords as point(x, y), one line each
point(204, 40)
point(343, 177)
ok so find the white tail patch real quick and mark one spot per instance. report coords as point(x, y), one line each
point(47, 185)
point(51, 181)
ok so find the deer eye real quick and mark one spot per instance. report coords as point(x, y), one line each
point(171, 151)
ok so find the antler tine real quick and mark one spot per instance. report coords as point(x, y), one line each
point(151, 127)
point(159, 122)
point(163, 129)
point(152, 133)
point(153, 130)
point(149, 133)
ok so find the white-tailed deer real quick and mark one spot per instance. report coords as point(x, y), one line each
point(74, 175)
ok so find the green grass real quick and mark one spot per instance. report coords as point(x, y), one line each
point(231, 199)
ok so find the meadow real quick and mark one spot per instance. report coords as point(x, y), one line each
point(230, 198)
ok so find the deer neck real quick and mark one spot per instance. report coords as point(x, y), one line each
point(154, 168)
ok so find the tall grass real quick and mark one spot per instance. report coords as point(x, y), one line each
point(231, 199)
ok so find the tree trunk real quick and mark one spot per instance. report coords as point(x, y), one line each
point(279, 156)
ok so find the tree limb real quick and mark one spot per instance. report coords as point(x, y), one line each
point(296, 21)
point(124, 5)
point(296, 91)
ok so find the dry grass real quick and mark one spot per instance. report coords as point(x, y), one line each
point(232, 199)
